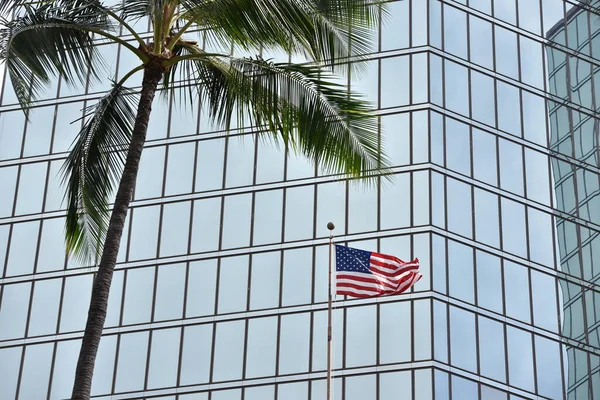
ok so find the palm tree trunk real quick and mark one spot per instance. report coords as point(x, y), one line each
point(101, 288)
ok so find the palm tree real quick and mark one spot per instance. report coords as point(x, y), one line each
point(298, 105)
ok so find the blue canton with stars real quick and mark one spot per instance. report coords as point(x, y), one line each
point(352, 260)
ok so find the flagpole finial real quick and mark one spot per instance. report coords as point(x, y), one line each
point(330, 226)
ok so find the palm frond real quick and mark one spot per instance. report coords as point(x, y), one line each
point(299, 105)
point(49, 40)
point(93, 169)
point(319, 29)
point(315, 116)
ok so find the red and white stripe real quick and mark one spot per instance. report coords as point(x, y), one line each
point(390, 275)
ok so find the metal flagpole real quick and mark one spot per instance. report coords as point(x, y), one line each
point(331, 227)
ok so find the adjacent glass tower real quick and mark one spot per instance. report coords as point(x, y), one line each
point(573, 90)
point(488, 112)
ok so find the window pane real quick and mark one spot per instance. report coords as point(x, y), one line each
point(31, 188)
point(267, 217)
point(236, 220)
point(233, 284)
point(13, 310)
point(462, 339)
point(44, 308)
point(36, 371)
point(262, 347)
point(175, 228)
point(10, 361)
point(361, 336)
point(180, 169)
point(206, 224)
point(297, 276)
point(201, 288)
point(164, 355)
point(75, 302)
point(229, 351)
point(144, 233)
point(196, 353)
point(491, 349)
point(139, 291)
point(22, 248)
point(264, 290)
point(394, 328)
point(65, 362)
point(131, 366)
point(294, 343)
point(169, 292)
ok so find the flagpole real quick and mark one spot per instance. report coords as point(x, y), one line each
point(331, 227)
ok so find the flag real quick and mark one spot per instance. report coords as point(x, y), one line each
point(361, 273)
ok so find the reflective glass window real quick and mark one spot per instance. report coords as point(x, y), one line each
point(131, 364)
point(10, 361)
point(480, 41)
point(180, 169)
point(32, 180)
point(460, 271)
point(233, 284)
point(361, 336)
point(395, 31)
point(297, 277)
point(514, 238)
point(52, 250)
point(39, 131)
point(240, 161)
point(268, 214)
point(139, 291)
point(520, 358)
point(294, 343)
point(35, 376)
point(489, 282)
point(75, 302)
point(8, 177)
point(491, 349)
point(201, 288)
point(23, 243)
point(264, 280)
point(237, 212)
point(455, 31)
point(164, 357)
point(13, 310)
point(229, 350)
point(196, 354)
point(463, 353)
point(144, 232)
point(459, 210)
point(299, 213)
point(261, 349)
point(209, 164)
point(175, 228)
point(516, 291)
point(206, 224)
point(331, 200)
point(104, 365)
point(44, 307)
point(170, 287)
point(11, 134)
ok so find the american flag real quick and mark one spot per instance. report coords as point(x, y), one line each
point(361, 273)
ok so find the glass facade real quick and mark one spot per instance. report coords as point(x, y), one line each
point(573, 69)
point(488, 112)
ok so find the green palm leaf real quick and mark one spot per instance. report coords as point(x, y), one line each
point(300, 105)
point(321, 29)
point(93, 169)
point(52, 39)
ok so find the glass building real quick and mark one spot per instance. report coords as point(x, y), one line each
point(488, 112)
point(573, 69)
